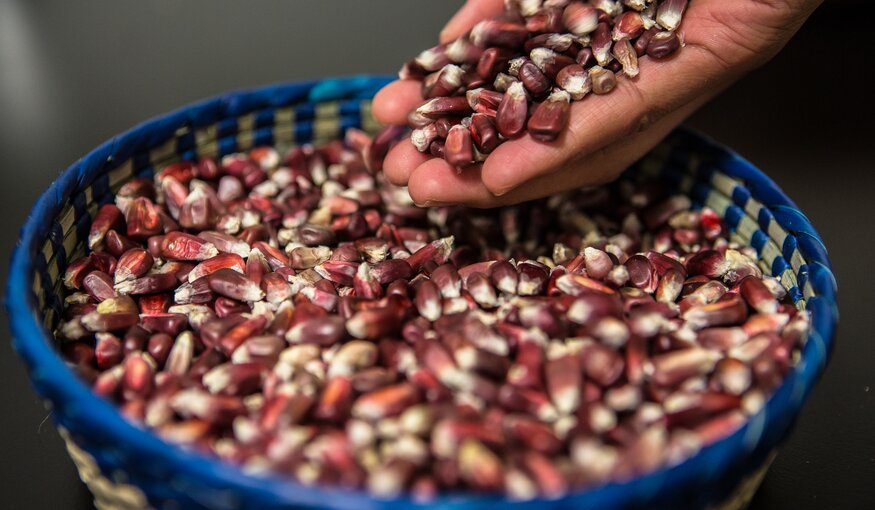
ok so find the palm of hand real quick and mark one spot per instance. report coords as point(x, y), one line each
point(724, 40)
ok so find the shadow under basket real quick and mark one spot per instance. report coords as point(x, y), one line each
point(127, 467)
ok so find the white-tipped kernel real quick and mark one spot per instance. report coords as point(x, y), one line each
point(218, 378)
point(595, 458)
point(670, 13)
point(519, 487)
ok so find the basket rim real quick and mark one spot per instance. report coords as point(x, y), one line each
point(53, 380)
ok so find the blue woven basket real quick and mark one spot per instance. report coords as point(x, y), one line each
point(128, 467)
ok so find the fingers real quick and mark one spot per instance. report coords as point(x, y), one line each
point(436, 183)
point(401, 161)
point(472, 12)
point(599, 120)
point(394, 101)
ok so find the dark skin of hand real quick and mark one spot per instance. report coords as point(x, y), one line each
point(725, 39)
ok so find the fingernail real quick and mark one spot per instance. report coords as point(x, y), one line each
point(501, 192)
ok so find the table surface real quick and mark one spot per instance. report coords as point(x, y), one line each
point(72, 74)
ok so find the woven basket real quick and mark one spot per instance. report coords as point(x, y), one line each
point(127, 467)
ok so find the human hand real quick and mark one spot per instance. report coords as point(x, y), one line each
point(605, 134)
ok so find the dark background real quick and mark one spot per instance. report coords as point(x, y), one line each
point(72, 74)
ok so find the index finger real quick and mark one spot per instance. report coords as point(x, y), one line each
point(397, 99)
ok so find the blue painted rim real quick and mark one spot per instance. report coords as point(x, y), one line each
point(82, 412)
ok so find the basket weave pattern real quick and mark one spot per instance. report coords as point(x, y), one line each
point(125, 466)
